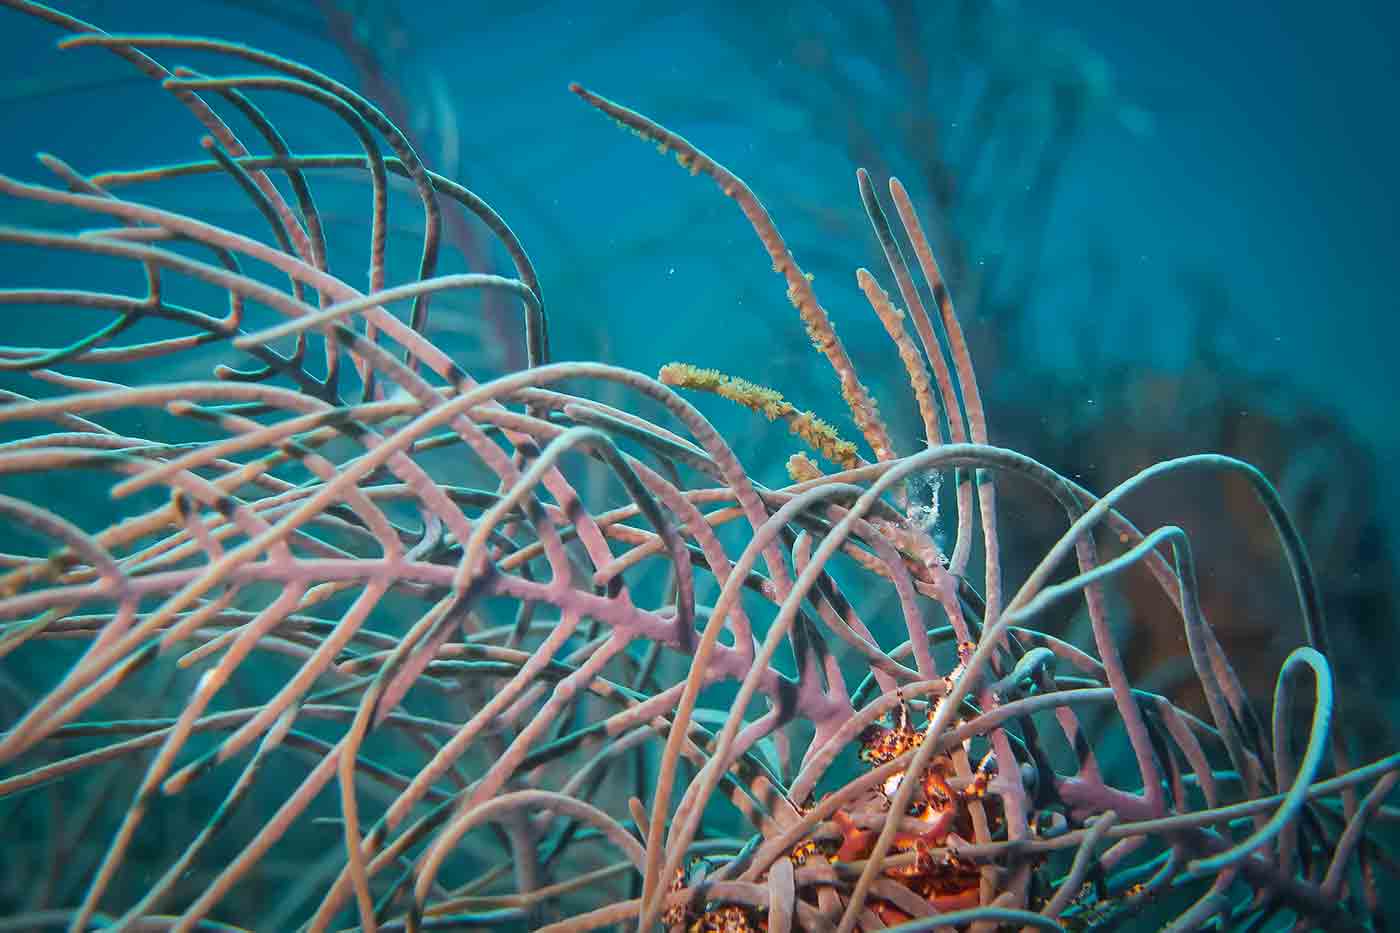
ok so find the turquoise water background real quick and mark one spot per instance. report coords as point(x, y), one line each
point(1168, 227)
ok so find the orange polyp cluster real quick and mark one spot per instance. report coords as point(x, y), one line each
point(937, 811)
point(937, 808)
point(730, 918)
point(881, 744)
point(674, 916)
point(717, 917)
point(805, 850)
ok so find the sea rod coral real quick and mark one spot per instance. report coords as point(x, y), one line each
point(349, 636)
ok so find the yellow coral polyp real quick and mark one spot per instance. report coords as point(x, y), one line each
point(820, 435)
point(802, 468)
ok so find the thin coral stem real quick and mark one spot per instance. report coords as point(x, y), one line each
point(800, 293)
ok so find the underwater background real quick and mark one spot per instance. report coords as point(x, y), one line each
point(1168, 228)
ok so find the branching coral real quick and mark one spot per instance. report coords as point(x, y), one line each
point(452, 682)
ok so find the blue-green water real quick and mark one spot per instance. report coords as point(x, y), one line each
point(1168, 229)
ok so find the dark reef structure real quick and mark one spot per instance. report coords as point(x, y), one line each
point(334, 633)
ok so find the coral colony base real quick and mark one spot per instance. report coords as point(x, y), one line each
point(350, 637)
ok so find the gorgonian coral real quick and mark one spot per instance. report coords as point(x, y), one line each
point(351, 636)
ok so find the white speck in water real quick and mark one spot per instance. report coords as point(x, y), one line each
point(921, 490)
